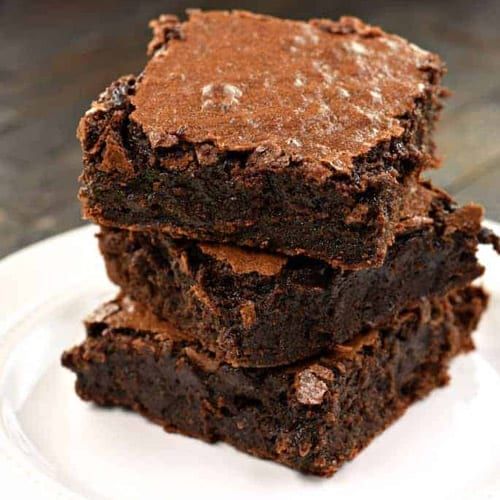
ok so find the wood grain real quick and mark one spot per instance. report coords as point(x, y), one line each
point(56, 56)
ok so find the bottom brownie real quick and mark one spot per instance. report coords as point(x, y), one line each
point(311, 416)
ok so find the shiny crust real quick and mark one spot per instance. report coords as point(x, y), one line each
point(150, 164)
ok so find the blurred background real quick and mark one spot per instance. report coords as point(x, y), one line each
point(56, 56)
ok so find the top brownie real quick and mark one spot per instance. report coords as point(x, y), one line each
point(297, 137)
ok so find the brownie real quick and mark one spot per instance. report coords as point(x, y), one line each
point(312, 416)
point(257, 309)
point(301, 138)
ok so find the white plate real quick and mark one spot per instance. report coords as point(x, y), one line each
point(52, 445)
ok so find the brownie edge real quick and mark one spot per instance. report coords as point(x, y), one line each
point(311, 416)
point(258, 309)
point(292, 186)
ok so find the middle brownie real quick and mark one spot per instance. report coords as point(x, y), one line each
point(257, 309)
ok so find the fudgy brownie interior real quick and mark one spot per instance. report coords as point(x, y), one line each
point(258, 309)
point(304, 140)
point(312, 416)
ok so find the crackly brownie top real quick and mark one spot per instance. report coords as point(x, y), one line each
point(125, 314)
point(320, 90)
point(244, 261)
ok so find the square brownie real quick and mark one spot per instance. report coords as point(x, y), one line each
point(257, 309)
point(301, 138)
point(312, 416)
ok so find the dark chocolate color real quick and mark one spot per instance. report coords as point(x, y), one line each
point(311, 416)
point(304, 142)
point(258, 309)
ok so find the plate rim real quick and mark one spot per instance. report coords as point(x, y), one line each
point(15, 470)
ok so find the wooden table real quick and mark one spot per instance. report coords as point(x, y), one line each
point(56, 56)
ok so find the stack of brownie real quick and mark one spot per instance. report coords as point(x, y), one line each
point(289, 284)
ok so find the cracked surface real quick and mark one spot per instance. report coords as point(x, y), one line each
point(326, 91)
point(182, 157)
